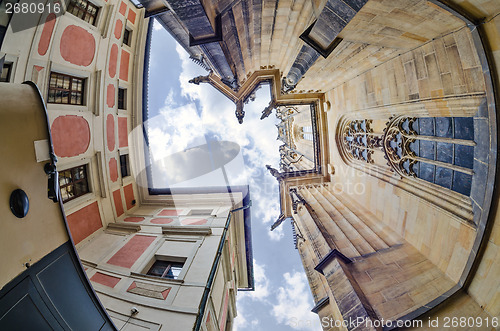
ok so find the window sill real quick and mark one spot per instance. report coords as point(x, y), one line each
point(158, 279)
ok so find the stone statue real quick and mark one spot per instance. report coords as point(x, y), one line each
point(200, 79)
point(275, 173)
point(268, 110)
point(240, 113)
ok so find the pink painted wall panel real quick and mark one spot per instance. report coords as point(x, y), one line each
point(77, 46)
point(134, 219)
point(117, 198)
point(169, 212)
point(113, 169)
point(222, 325)
point(123, 8)
point(122, 132)
point(113, 61)
point(48, 28)
point(194, 221)
point(70, 135)
point(124, 61)
point(110, 95)
point(106, 280)
point(129, 195)
point(84, 222)
point(110, 132)
point(131, 251)
point(118, 29)
point(131, 16)
point(163, 220)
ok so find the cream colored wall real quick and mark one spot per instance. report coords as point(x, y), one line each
point(442, 237)
point(383, 91)
point(485, 286)
point(22, 49)
point(28, 239)
point(197, 243)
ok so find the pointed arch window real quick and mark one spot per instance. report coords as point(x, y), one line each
point(439, 150)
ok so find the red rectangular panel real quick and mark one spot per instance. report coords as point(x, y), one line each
point(105, 280)
point(131, 16)
point(122, 132)
point(131, 251)
point(129, 196)
point(123, 8)
point(124, 61)
point(117, 197)
point(84, 222)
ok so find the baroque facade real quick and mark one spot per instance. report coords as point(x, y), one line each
point(390, 181)
point(143, 260)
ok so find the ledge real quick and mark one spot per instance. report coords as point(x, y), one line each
point(122, 227)
point(333, 254)
point(321, 303)
point(191, 230)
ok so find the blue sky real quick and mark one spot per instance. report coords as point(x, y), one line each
point(184, 115)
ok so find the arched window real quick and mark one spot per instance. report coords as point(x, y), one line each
point(439, 150)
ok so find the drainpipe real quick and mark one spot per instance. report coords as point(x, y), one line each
point(208, 287)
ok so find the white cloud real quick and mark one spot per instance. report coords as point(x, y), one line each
point(262, 285)
point(241, 322)
point(180, 126)
point(157, 26)
point(277, 234)
point(293, 308)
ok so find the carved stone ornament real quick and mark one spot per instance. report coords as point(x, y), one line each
point(398, 135)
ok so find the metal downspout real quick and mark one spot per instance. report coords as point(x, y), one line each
point(208, 287)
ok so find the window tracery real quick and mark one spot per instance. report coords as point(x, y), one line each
point(360, 141)
point(439, 150)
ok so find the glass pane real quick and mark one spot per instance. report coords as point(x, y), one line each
point(64, 194)
point(174, 272)
point(427, 149)
point(158, 268)
point(444, 177)
point(445, 152)
point(66, 83)
point(53, 79)
point(65, 97)
point(79, 173)
point(52, 96)
point(77, 85)
point(70, 191)
point(426, 126)
point(464, 156)
point(464, 128)
point(427, 172)
point(81, 188)
point(443, 127)
point(462, 183)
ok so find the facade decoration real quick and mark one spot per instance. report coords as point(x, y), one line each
point(439, 150)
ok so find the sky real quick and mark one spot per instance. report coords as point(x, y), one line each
point(186, 120)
